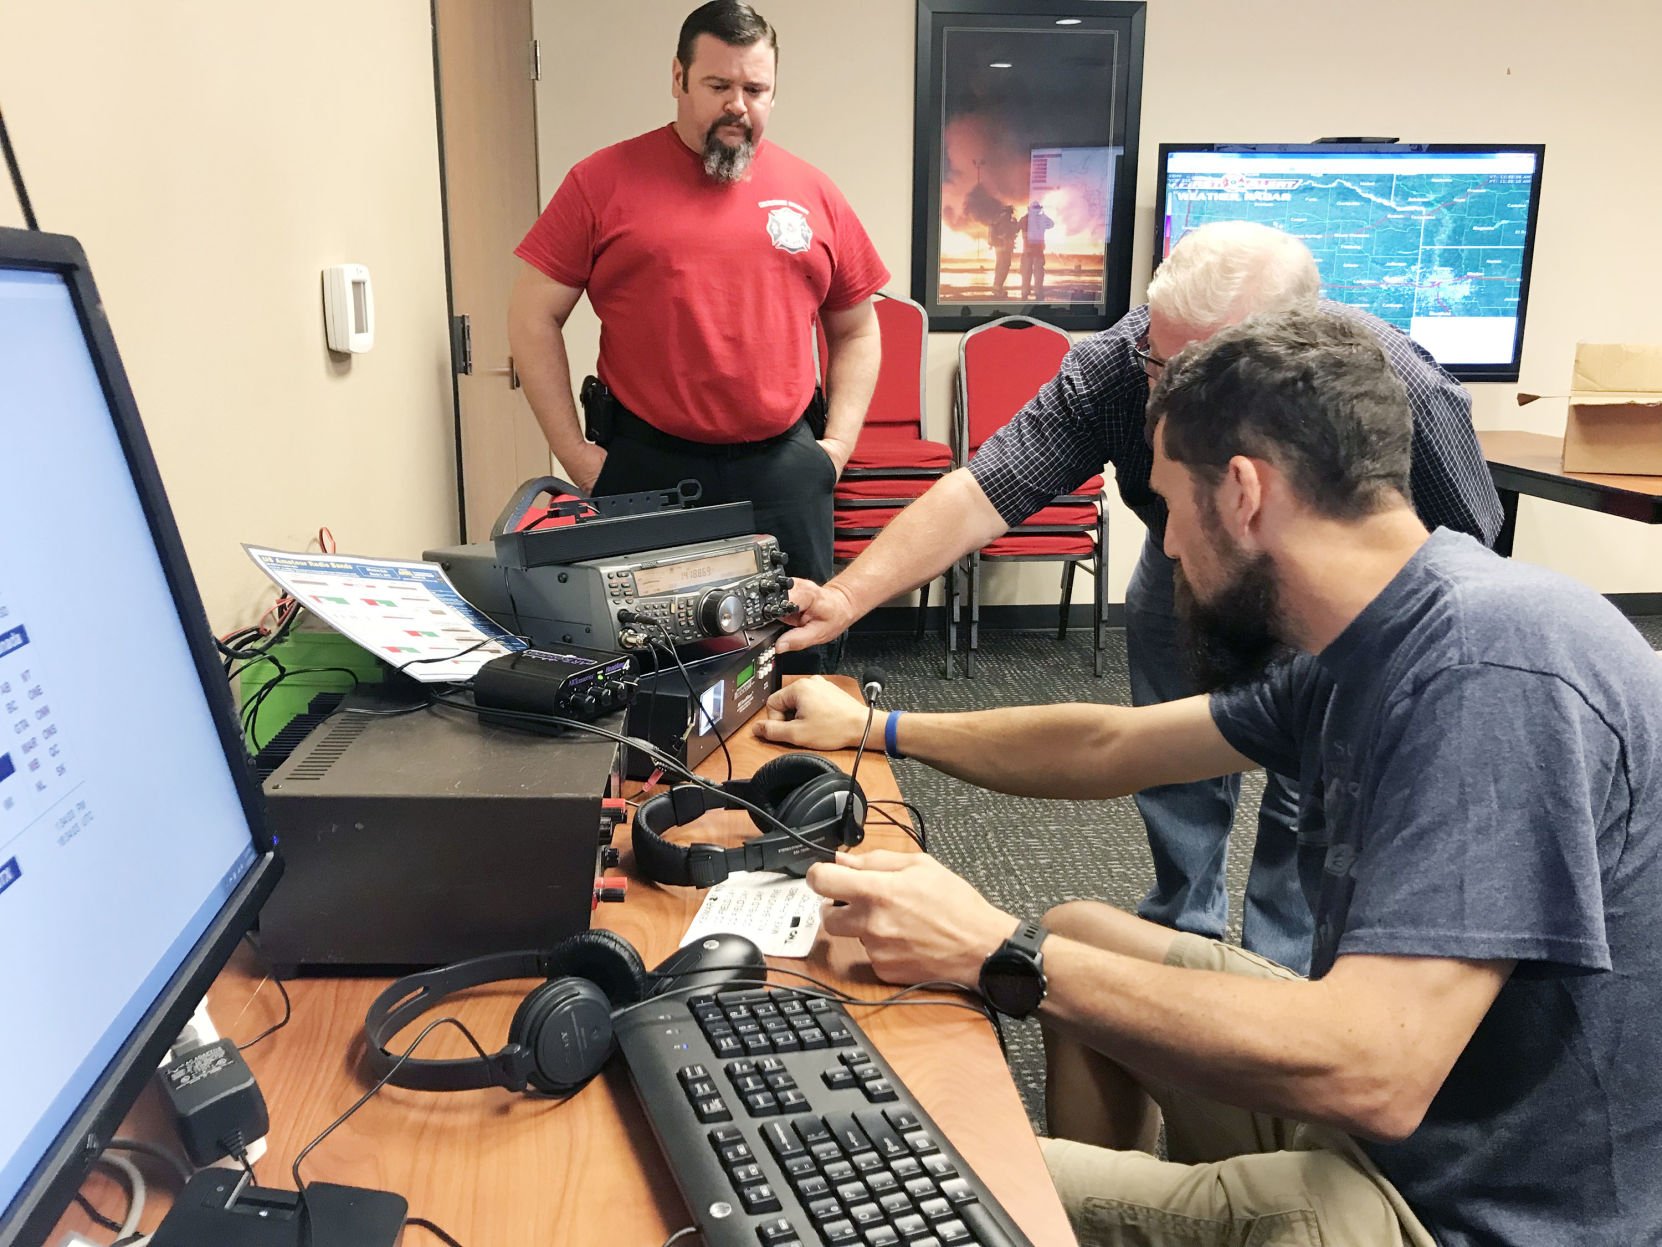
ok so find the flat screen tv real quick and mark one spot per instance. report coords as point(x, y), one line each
point(1435, 238)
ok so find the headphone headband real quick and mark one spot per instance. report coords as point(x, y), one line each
point(786, 791)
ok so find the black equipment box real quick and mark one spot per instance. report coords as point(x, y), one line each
point(731, 679)
point(416, 839)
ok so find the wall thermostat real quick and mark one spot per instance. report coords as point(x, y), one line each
point(348, 308)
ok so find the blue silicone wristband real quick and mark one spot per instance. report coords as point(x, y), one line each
point(889, 746)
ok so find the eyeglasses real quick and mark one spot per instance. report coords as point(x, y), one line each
point(1152, 363)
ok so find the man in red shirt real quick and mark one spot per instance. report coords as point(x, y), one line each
point(707, 253)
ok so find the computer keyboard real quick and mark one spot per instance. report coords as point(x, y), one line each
point(784, 1127)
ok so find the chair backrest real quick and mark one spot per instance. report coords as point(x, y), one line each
point(1001, 366)
point(898, 398)
point(897, 401)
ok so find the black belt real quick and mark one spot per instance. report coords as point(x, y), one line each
point(627, 424)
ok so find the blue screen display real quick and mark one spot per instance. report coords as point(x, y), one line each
point(1435, 242)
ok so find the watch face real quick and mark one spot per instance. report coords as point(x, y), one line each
point(1012, 983)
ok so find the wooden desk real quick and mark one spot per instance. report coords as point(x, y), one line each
point(496, 1169)
point(1532, 463)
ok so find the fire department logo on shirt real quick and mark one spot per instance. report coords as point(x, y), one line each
point(788, 225)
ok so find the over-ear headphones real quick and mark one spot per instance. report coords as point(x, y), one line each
point(560, 1035)
point(819, 802)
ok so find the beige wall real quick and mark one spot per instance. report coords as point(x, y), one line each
point(1272, 70)
point(213, 157)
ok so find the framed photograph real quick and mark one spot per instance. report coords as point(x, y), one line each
point(1024, 183)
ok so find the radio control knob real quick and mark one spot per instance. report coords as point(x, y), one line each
point(721, 612)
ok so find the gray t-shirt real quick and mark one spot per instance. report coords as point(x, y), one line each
point(1480, 758)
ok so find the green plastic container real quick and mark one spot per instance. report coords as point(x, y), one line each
point(305, 653)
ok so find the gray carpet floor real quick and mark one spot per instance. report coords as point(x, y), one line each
point(1027, 855)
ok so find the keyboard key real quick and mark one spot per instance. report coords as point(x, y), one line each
point(812, 1039)
point(793, 1101)
point(838, 1079)
point(839, 1171)
point(853, 1192)
point(723, 1135)
point(824, 1209)
point(879, 1090)
point(801, 1169)
point(958, 1191)
point(895, 1205)
point(951, 1232)
point(712, 1109)
point(866, 1214)
point(813, 1187)
point(923, 1188)
point(904, 1120)
point(867, 1162)
point(906, 1168)
point(836, 1233)
point(882, 1236)
point(735, 1154)
point(939, 1167)
point(812, 1130)
point(937, 1209)
point(700, 1089)
point(775, 1231)
point(692, 1073)
point(761, 1104)
point(922, 1143)
point(760, 1198)
point(745, 1175)
point(911, 1226)
point(782, 1140)
point(846, 1131)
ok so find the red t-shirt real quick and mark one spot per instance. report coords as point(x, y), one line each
point(706, 292)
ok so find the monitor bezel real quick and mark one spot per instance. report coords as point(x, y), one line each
point(51, 1185)
point(1459, 371)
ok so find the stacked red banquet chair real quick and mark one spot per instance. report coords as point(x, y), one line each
point(893, 463)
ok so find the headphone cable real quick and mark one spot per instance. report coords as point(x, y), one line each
point(667, 762)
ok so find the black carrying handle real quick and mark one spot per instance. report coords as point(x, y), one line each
point(520, 503)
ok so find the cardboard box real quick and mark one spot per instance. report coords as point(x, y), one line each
point(1614, 423)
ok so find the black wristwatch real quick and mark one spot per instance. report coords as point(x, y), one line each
point(1013, 975)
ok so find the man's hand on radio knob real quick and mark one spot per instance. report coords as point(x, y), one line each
point(822, 612)
point(813, 713)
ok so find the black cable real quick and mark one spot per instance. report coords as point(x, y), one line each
point(920, 835)
point(404, 666)
point(251, 711)
point(663, 760)
point(692, 693)
point(294, 1172)
point(108, 1223)
point(17, 185)
point(680, 1234)
point(288, 1005)
point(432, 1229)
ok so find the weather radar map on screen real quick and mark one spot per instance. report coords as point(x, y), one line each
point(1434, 240)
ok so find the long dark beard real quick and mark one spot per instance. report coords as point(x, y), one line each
point(1233, 639)
point(724, 163)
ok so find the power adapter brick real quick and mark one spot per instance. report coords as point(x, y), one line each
point(216, 1103)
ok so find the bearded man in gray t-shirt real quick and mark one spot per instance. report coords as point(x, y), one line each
point(1475, 1057)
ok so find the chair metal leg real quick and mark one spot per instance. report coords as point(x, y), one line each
point(1099, 595)
point(1067, 599)
point(949, 620)
point(974, 615)
point(923, 610)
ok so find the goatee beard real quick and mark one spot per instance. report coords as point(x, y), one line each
point(727, 164)
point(1232, 639)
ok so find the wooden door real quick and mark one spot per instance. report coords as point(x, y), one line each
point(487, 120)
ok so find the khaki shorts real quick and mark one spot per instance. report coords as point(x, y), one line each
point(1235, 1179)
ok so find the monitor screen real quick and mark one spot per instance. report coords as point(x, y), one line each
point(130, 859)
point(1434, 238)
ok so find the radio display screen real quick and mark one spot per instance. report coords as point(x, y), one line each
point(715, 568)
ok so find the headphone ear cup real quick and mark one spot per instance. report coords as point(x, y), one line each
point(566, 1026)
point(826, 798)
point(605, 959)
point(776, 782)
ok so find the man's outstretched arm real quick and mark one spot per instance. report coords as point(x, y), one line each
point(1079, 752)
point(952, 518)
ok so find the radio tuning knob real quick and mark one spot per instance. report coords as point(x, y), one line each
point(721, 613)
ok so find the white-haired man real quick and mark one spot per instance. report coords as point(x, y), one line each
point(1091, 414)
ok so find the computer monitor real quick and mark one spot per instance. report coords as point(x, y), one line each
point(132, 854)
point(1435, 238)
